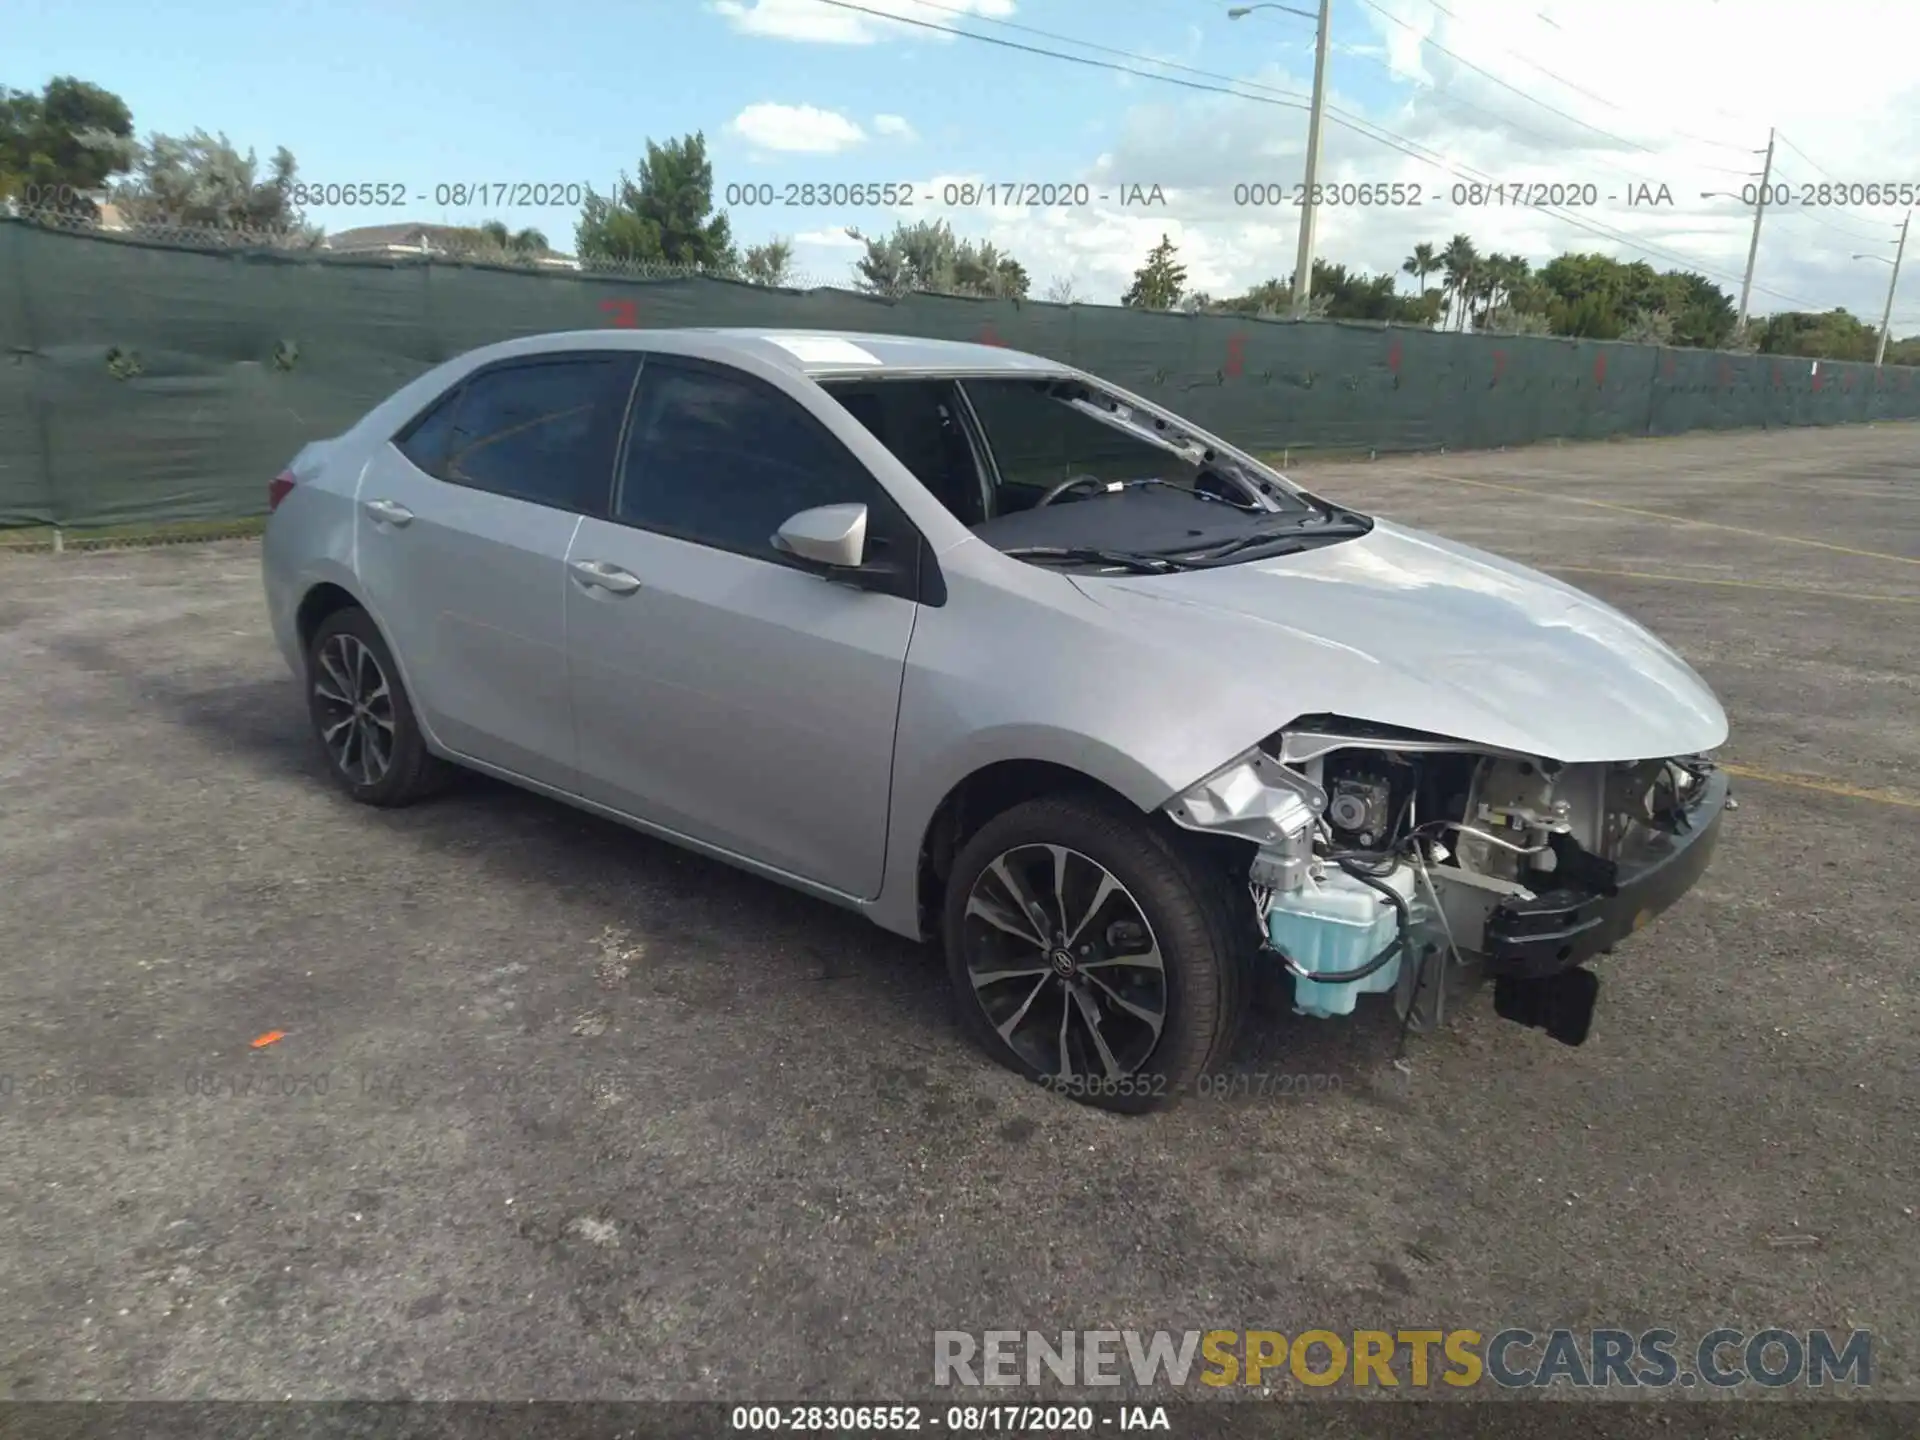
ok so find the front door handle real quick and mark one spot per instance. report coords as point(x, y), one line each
point(393, 514)
point(605, 577)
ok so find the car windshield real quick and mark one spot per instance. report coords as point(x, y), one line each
point(1059, 472)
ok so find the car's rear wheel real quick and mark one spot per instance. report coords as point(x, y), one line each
point(1089, 952)
point(362, 716)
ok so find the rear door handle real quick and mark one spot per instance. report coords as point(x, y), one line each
point(393, 514)
point(605, 577)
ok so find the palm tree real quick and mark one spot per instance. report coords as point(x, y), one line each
point(1519, 279)
point(1422, 263)
point(1493, 279)
point(1485, 286)
point(1460, 264)
point(1501, 278)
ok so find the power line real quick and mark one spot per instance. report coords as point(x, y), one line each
point(1305, 100)
point(1428, 156)
point(1059, 55)
point(1737, 119)
point(1828, 174)
point(1581, 90)
point(1531, 99)
point(1803, 155)
point(1382, 136)
point(1360, 126)
point(1633, 242)
point(1802, 212)
point(1233, 79)
point(1434, 90)
point(1389, 138)
point(1837, 229)
point(1789, 212)
point(1448, 98)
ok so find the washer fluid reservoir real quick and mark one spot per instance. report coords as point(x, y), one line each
point(1335, 923)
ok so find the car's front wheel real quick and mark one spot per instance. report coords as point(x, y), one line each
point(1089, 952)
point(362, 716)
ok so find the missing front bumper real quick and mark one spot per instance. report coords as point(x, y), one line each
point(1533, 938)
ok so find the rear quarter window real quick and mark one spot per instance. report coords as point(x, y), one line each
point(425, 438)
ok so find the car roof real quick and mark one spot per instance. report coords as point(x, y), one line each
point(817, 354)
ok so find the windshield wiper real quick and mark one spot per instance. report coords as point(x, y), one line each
point(1207, 495)
point(1296, 537)
point(1140, 564)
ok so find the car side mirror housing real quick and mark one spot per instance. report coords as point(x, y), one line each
point(830, 535)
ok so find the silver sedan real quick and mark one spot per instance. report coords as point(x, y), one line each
point(1005, 658)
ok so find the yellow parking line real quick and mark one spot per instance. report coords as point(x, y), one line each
point(1740, 584)
point(1828, 787)
point(1662, 515)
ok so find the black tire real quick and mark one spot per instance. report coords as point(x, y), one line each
point(411, 772)
point(1186, 910)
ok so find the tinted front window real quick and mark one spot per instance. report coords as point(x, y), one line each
point(726, 459)
point(536, 432)
point(918, 421)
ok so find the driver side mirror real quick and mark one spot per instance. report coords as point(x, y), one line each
point(830, 535)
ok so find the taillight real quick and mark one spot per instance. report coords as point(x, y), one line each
point(278, 489)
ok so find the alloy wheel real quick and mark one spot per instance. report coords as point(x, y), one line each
point(1064, 964)
point(355, 710)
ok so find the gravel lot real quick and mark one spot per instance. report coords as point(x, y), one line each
point(562, 1112)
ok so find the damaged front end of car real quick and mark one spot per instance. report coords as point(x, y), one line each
point(1384, 860)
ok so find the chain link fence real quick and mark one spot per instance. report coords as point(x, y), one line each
point(155, 378)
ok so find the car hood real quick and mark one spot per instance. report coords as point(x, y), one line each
point(1408, 629)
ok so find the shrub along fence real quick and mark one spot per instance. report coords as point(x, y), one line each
point(145, 383)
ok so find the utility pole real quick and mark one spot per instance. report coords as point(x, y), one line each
point(1753, 247)
point(1303, 265)
point(1886, 316)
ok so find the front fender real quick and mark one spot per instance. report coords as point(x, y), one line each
point(1090, 755)
point(1022, 666)
point(923, 781)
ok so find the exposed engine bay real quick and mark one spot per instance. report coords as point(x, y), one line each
point(1385, 860)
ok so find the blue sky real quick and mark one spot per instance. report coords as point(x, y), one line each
point(430, 91)
point(425, 93)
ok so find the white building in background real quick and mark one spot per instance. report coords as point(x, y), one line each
point(407, 239)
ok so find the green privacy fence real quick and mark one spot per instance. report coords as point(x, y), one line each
point(143, 383)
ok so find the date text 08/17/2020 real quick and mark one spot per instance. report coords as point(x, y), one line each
point(970, 194)
point(953, 1419)
point(1072, 194)
point(1257, 194)
point(1278, 194)
point(453, 194)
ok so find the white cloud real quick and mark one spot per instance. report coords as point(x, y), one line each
point(827, 240)
point(895, 126)
point(812, 22)
point(796, 129)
